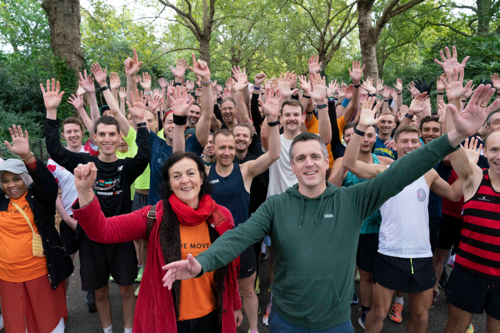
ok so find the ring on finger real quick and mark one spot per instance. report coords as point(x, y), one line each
point(483, 106)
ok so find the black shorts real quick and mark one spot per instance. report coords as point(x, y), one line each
point(248, 262)
point(405, 275)
point(367, 252)
point(68, 238)
point(434, 223)
point(473, 293)
point(449, 232)
point(140, 201)
point(98, 261)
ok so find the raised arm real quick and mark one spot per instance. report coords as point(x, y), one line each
point(239, 86)
point(77, 102)
point(114, 85)
point(417, 106)
point(350, 161)
point(254, 103)
point(318, 94)
point(87, 83)
point(253, 168)
point(399, 91)
point(200, 68)
point(131, 68)
point(180, 105)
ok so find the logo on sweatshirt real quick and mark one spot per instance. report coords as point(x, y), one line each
point(328, 216)
point(421, 195)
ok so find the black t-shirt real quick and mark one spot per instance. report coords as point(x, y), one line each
point(258, 189)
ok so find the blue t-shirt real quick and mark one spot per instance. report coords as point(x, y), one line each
point(160, 152)
point(436, 201)
point(380, 149)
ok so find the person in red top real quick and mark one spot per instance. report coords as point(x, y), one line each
point(187, 220)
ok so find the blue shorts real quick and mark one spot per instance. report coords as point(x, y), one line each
point(267, 240)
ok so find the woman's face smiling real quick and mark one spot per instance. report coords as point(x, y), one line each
point(185, 181)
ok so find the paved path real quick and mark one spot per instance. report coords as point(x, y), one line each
point(80, 321)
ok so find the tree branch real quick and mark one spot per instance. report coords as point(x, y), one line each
point(449, 27)
point(171, 51)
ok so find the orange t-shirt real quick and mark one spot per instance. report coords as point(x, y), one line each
point(313, 127)
point(17, 263)
point(197, 296)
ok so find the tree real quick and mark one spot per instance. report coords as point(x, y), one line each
point(369, 34)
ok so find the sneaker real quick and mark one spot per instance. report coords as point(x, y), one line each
point(435, 299)
point(137, 292)
point(443, 279)
point(139, 274)
point(355, 299)
point(396, 313)
point(470, 329)
point(257, 286)
point(90, 300)
point(361, 320)
point(265, 318)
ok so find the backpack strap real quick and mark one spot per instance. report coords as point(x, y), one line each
point(151, 221)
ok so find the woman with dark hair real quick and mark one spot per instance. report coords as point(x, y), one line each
point(33, 261)
point(187, 219)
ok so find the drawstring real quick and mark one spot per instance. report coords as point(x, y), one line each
point(303, 211)
point(319, 211)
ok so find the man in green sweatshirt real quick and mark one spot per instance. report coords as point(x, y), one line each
point(314, 227)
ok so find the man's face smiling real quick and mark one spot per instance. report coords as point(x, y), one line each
point(194, 115)
point(386, 124)
point(168, 126)
point(229, 110)
point(492, 152)
point(73, 135)
point(107, 138)
point(431, 130)
point(291, 118)
point(242, 138)
point(309, 163)
point(224, 149)
point(407, 142)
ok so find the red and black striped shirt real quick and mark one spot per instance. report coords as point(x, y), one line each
point(479, 249)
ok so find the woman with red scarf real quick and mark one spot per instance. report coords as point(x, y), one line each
point(187, 221)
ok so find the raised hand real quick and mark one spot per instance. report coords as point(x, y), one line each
point(99, 75)
point(394, 95)
point(285, 84)
point(229, 85)
point(332, 89)
point(179, 101)
point(423, 86)
point(367, 116)
point(472, 118)
point(155, 102)
point(314, 64)
point(318, 85)
point(442, 112)
point(413, 90)
point(386, 93)
point(399, 86)
point(273, 103)
point(198, 92)
point(80, 91)
point(85, 175)
point(181, 270)
point(122, 93)
point(439, 85)
point(454, 85)
point(259, 79)
point(163, 83)
point(356, 72)
point(496, 81)
point(20, 142)
point(132, 65)
point(418, 104)
point(52, 97)
point(368, 86)
point(472, 150)
point(468, 93)
point(380, 86)
point(87, 82)
point(304, 85)
point(450, 62)
point(146, 81)
point(200, 68)
point(179, 69)
point(189, 85)
point(241, 81)
point(114, 81)
point(76, 101)
point(349, 91)
point(343, 90)
point(138, 107)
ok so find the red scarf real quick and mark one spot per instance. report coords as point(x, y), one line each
point(189, 216)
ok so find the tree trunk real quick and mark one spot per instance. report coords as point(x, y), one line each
point(483, 17)
point(205, 50)
point(64, 23)
point(368, 40)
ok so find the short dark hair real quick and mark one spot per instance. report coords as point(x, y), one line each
point(292, 102)
point(166, 191)
point(106, 120)
point(352, 124)
point(302, 137)
point(224, 132)
point(429, 119)
point(488, 120)
point(198, 105)
point(406, 129)
point(228, 99)
point(243, 125)
point(72, 120)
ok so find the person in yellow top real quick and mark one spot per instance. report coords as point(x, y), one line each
point(33, 262)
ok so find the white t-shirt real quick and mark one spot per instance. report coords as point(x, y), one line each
point(281, 176)
point(66, 182)
point(404, 231)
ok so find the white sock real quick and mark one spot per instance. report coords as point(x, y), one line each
point(108, 329)
point(400, 300)
point(127, 330)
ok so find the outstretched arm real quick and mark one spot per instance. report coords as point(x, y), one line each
point(87, 83)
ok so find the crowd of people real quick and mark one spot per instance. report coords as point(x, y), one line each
point(184, 189)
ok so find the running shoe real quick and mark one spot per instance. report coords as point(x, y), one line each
point(137, 292)
point(470, 329)
point(355, 299)
point(361, 320)
point(443, 279)
point(139, 274)
point(396, 313)
point(257, 286)
point(265, 318)
point(90, 300)
point(435, 299)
